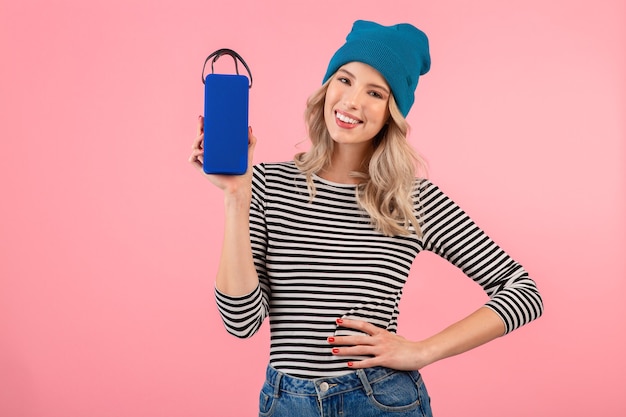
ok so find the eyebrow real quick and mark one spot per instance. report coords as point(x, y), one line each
point(385, 89)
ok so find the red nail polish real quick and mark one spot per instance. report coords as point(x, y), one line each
point(339, 321)
point(350, 364)
point(335, 350)
point(331, 339)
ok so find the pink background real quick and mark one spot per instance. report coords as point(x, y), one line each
point(109, 239)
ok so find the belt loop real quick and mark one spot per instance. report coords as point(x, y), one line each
point(279, 375)
point(364, 381)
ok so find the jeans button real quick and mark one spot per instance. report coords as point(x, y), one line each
point(324, 386)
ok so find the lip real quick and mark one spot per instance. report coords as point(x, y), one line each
point(346, 125)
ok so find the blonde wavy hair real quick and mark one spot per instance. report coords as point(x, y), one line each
point(387, 182)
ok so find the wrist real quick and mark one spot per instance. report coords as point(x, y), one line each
point(237, 198)
point(426, 353)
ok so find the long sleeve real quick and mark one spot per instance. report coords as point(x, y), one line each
point(243, 316)
point(320, 259)
point(450, 233)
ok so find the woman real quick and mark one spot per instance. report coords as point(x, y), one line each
point(323, 245)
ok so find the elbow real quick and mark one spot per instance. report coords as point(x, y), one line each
point(242, 333)
point(539, 306)
point(518, 306)
point(243, 330)
point(530, 304)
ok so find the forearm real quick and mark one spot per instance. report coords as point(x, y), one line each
point(236, 275)
point(476, 329)
point(394, 351)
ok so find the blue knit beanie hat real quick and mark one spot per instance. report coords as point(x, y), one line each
point(399, 52)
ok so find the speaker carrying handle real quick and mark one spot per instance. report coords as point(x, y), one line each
point(224, 51)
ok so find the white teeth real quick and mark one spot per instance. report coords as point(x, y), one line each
point(346, 119)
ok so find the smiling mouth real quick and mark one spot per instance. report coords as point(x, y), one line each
point(346, 119)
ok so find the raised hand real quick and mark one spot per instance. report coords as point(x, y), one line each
point(228, 183)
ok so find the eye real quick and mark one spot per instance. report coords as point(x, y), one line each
point(376, 94)
point(343, 80)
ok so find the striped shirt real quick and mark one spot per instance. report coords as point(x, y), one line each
point(321, 259)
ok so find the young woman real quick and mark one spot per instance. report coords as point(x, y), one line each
point(323, 245)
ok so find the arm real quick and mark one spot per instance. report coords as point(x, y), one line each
point(241, 300)
point(453, 235)
point(394, 351)
point(478, 328)
point(236, 274)
point(514, 299)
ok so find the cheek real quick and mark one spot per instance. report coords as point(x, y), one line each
point(328, 111)
point(327, 105)
point(380, 114)
point(331, 98)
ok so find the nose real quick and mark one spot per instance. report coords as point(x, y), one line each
point(352, 99)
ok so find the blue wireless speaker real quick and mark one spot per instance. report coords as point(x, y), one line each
point(226, 98)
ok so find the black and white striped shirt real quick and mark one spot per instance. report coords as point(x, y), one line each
point(321, 259)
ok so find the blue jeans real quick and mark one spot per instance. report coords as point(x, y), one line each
point(372, 392)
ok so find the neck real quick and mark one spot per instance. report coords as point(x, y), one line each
point(345, 160)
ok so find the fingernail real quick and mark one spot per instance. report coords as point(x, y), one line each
point(335, 350)
point(350, 364)
point(339, 321)
point(331, 339)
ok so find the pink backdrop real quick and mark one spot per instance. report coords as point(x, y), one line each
point(109, 239)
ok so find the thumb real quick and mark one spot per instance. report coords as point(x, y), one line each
point(251, 145)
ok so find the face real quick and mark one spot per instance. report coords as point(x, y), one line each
point(356, 105)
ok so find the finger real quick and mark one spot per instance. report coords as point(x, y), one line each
point(354, 351)
point(196, 156)
point(365, 363)
point(361, 325)
point(198, 142)
point(251, 138)
point(197, 153)
point(200, 125)
point(196, 162)
point(351, 340)
point(251, 145)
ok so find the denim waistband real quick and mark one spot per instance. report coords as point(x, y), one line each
point(327, 387)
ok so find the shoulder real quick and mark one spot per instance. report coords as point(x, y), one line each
point(427, 196)
point(278, 174)
point(276, 168)
point(424, 187)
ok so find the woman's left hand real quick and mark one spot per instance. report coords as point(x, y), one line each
point(388, 349)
